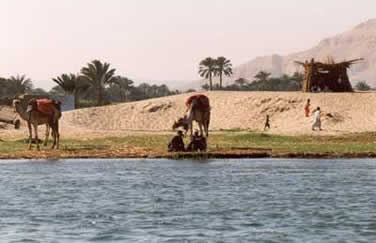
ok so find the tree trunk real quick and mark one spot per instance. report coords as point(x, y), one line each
point(121, 94)
point(75, 93)
point(210, 81)
point(220, 80)
point(100, 95)
point(307, 81)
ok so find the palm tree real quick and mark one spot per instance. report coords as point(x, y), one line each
point(57, 90)
point(241, 82)
point(72, 84)
point(206, 69)
point(4, 90)
point(124, 84)
point(20, 84)
point(262, 76)
point(223, 66)
point(98, 74)
point(145, 88)
point(163, 90)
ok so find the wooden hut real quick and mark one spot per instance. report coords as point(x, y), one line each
point(326, 76)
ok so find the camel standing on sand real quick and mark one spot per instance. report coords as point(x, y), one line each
point(35, 118)
point(195, 113)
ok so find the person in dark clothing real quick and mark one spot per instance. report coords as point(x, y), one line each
point(176, 144)
point(198, 142)
point(267, 123)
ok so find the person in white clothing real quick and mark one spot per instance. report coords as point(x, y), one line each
point(316, 119)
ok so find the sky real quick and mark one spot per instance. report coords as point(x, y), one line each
point(161, 41)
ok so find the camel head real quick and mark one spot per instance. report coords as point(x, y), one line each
point(16, 104)
point(181, 122)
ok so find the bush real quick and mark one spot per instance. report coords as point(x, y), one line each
point(362, 86)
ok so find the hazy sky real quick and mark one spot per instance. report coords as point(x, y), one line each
point(161, 39)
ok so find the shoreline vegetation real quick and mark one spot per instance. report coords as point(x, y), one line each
point(224, 144)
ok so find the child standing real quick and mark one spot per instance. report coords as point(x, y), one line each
point(267, 123)
point(306, 108)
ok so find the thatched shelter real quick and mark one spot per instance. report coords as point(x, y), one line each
point(329, 76)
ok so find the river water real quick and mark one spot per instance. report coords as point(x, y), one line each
point(263, 200)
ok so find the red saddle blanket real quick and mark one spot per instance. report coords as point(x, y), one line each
point(46, 106)
point(202, 101)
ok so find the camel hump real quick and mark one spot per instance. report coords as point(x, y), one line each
point(200, 101)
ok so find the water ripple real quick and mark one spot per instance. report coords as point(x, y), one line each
point(185, 201)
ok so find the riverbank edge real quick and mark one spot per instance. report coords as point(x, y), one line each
point(196, 155)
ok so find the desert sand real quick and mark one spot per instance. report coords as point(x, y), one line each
point(342, 113)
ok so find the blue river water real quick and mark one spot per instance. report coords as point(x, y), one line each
point(262, 200)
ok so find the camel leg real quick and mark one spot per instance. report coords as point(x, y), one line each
point(191, 128)
point(206, 127)
point(47, 135)
point(53, 134)
point(36, 135)
point(200, 126)
point(207, 122)
point(30, 134)
point(53, 127)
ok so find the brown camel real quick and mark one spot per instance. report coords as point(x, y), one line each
point(195, 113)
point(35, 118)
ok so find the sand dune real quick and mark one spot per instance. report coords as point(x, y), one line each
point(342, 113)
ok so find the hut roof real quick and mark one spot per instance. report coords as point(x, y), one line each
point(332, 66)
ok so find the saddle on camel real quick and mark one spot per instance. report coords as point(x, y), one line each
point(44, 106)
point(198, 108)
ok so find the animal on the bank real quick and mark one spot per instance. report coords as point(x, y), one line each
point(38, 112)
point(199, 111)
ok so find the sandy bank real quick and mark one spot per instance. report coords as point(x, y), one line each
point(342, 113)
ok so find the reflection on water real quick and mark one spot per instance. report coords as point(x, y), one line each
point(171, 201)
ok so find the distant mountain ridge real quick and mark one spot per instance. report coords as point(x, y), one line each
point(359, 42)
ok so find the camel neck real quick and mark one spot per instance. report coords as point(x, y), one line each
point(23, 114)
point(190, 116)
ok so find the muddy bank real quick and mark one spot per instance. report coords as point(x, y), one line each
point(146, 153)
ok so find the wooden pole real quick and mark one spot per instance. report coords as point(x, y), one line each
point(308, 74)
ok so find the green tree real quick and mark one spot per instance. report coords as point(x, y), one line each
point(205, 86)
point(4, 87)
point(144, 89)
point(57, 90)
point(19, 84)
point(39, 91)
point(72, 84)
point(241, 82)
point(262, 76)
point(223, 66)
point(163, 90)
point(124, 85)
point(362, 86)
point(98, 74)
point(206, 69)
